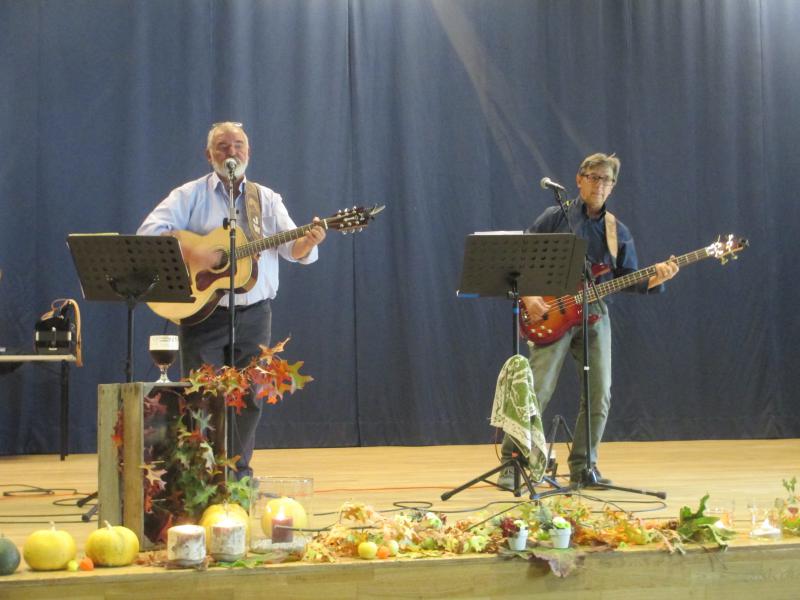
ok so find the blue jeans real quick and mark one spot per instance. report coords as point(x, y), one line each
point(207, 342)
point(546, 363)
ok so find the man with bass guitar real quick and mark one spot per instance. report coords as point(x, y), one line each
point(199, 208)
point(610, 244)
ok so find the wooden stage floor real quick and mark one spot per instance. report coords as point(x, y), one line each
point(735, 473)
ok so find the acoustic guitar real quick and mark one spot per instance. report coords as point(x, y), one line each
point(209, 286)
point(567, 311)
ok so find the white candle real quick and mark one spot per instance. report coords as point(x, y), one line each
point(227, 540)
point(186, 545)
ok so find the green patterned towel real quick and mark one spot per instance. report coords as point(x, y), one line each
point(516, 410)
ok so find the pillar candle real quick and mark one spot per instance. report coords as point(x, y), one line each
point(186, 545)
point(227, 540)
point(282, 529)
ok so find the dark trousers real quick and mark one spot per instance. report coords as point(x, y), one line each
point(207, 342)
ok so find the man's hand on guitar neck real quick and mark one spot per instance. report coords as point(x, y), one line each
point(305, 244)
point(535, 306)
point(664, 271)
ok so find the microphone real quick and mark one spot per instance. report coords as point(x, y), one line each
point(230, 165)
point(548, 183)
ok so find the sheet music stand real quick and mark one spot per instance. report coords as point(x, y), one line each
point(132, 268)
point(511, 265)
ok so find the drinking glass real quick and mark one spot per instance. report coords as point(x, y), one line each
point(164, 351)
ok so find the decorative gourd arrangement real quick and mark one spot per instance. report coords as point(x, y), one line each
point(9, 556)
point(49, 549)
point(115, 546)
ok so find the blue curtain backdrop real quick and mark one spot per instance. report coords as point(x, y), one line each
point(449, 112)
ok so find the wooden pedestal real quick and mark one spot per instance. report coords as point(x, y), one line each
point(120, 474)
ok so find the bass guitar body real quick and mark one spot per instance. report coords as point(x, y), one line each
point(209, 286)
point(565, 313)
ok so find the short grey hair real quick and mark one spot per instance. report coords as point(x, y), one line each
point(600, 160)
point(225, 125)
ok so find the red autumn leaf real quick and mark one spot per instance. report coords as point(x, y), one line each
point(236, 400)
point(118, 436)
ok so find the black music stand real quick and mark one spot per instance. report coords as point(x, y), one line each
point(132, 268)
point(511, 265)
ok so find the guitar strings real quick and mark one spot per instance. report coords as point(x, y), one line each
point(568, 301)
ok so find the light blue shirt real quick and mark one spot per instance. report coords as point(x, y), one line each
point(201, 205)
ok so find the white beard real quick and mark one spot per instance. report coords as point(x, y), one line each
point(223, 172)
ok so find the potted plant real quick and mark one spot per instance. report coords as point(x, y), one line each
point(516, 532)
point(560, 532)
point(789, 508)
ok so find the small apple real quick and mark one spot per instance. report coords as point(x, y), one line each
point(394, 547)
point(367, 550)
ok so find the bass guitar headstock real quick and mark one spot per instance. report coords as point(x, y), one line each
point(727, 248)
point(353, 219)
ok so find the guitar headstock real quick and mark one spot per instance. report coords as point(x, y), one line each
point(726, 248)
point(353, 219)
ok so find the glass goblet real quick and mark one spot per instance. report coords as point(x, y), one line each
point(163, 351)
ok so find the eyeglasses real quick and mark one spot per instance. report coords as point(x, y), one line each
point(234, 123)
point(601, 179)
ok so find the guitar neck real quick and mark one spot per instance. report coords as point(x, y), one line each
point(620, 283)
point(275, 240)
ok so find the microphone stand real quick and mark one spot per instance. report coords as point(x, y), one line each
point(588, 474)
point(230, 224)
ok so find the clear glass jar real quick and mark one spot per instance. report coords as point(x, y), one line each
point(280, 508)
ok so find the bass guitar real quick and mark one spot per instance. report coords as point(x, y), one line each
point(567, 311)
point(209, 286)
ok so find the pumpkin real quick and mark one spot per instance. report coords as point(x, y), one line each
point(289, 507)
point(216, 513)
point(49, 549)
point(112, 546)
point(9, 556)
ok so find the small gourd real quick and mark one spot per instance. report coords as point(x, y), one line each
point(115, 546)
point(49, 549)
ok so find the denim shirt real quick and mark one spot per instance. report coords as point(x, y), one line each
point(594, 232)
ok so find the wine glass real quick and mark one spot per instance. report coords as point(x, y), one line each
point(164, 351)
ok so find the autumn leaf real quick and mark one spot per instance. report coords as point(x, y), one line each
point(236, 400)
point(299, 381)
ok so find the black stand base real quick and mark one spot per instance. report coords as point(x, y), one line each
point(520, 475)
point(521, 480)
point(590, 482)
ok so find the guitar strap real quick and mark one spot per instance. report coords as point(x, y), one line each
point(611, 237)
point(252, 203)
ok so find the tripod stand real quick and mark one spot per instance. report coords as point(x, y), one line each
point(511, 265)
point(132, 268)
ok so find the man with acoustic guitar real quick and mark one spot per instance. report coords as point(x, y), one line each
point(194, 213)
point(611, 250)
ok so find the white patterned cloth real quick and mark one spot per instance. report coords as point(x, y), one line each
point(516, 411)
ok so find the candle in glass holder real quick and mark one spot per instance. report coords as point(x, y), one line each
point(186, 545)
point(227, 540)
point(282, 528)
